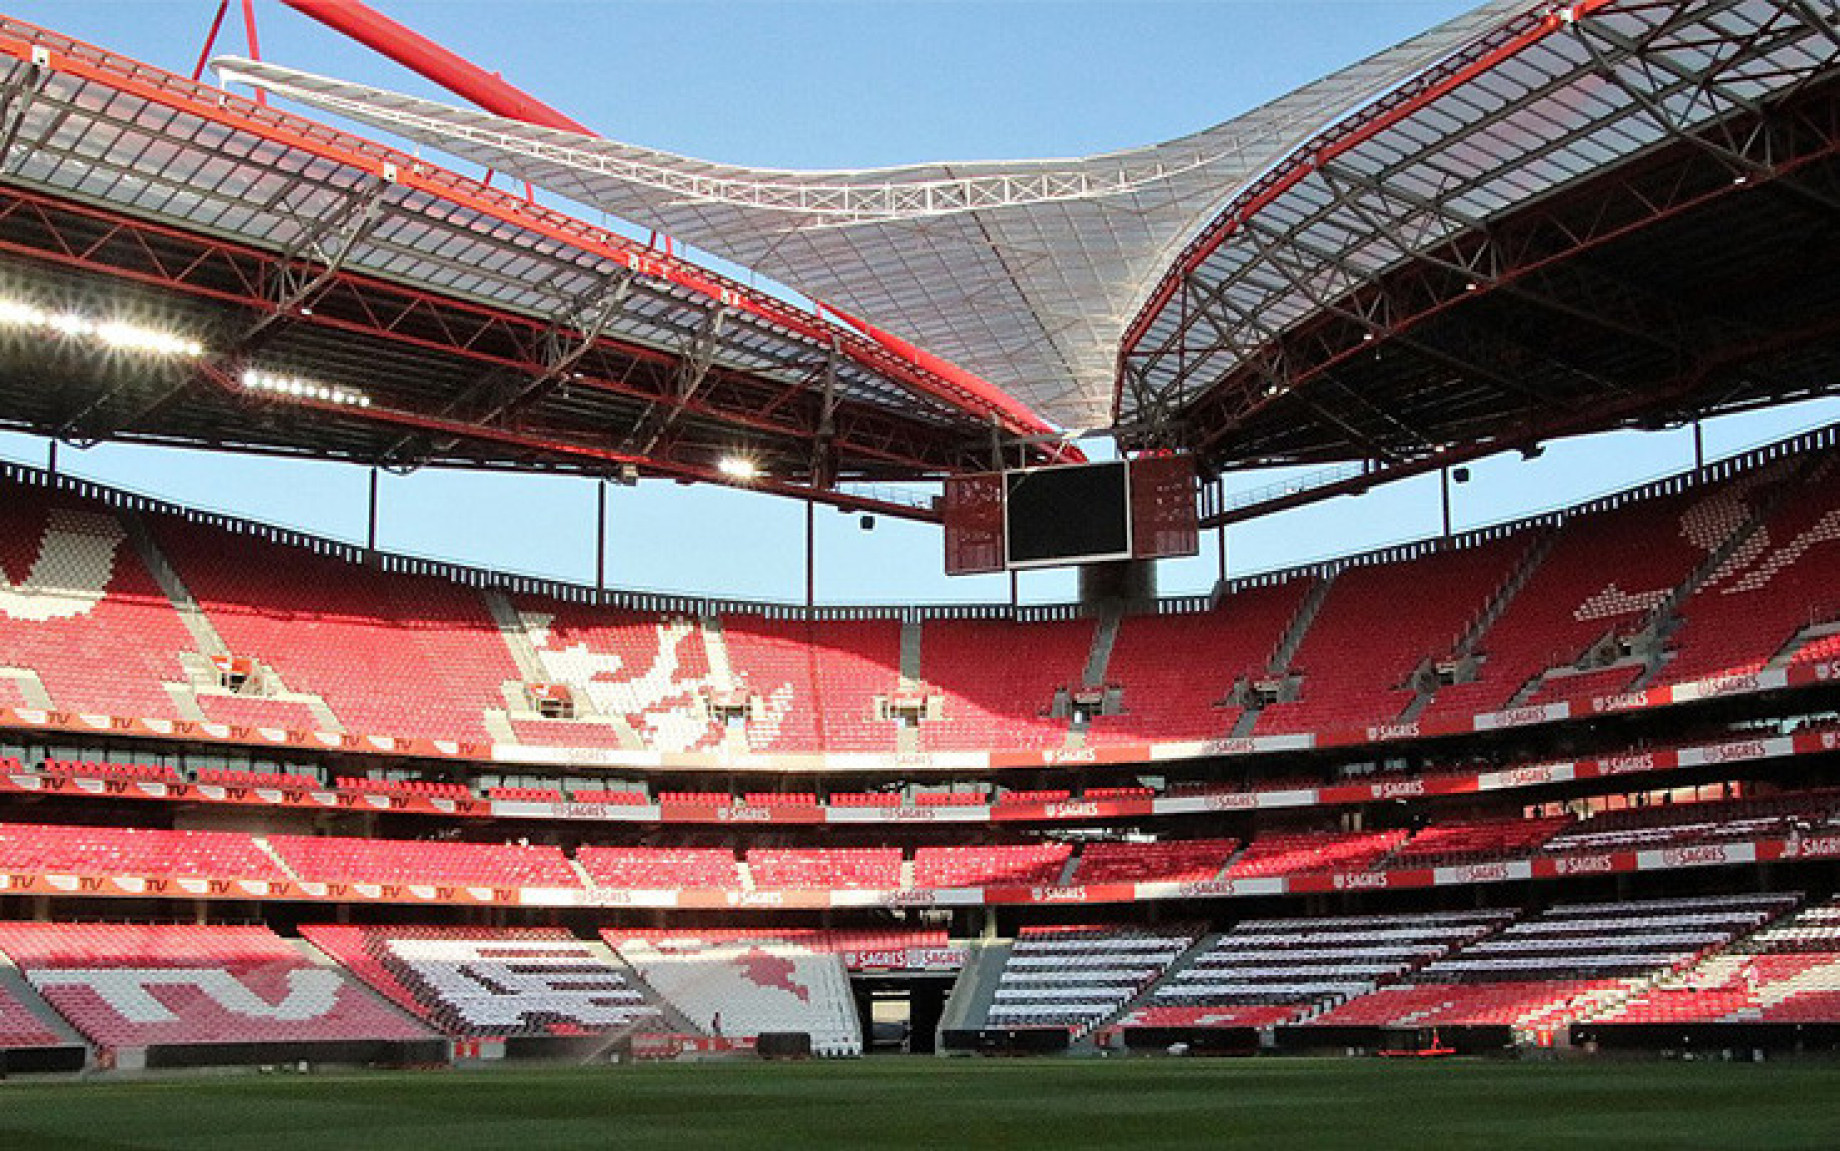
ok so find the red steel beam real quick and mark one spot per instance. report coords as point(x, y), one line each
point(428, 59)
point(576, 450)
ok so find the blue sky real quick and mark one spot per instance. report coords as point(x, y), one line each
point(793, 84)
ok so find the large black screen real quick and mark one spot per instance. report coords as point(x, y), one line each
point(1067, 515)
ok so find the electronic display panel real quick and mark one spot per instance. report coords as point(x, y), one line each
point(1067, 515)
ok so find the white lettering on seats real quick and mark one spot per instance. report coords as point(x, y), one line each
point(513, 982)
point(312, 991)
point(76, 560)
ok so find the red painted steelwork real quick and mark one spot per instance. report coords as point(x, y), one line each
point(424, 57)
point(1339, 139)
point(232, 112)
point(492, 93)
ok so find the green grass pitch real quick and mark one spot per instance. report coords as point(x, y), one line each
point(923, 1103)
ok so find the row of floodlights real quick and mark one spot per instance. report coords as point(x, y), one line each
point(114, 334)
point(126, 337)
point(256, 380)
point(119, 335)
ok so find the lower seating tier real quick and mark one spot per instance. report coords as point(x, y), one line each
point(492, 981)
point(145, 985)
point(748, 987)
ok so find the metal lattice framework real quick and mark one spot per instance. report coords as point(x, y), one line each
point(1535, 220)
point(490, 331)
point(1468, 242)
point(1024, 272)
point(1494, 254)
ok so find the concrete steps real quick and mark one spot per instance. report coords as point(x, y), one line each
point(1099, 658)
point(203, 632)
point(14, 982)
point(1299, 626)
point(674, 1019)
point(968, 1007)
point(517, 639)
point(910, 651)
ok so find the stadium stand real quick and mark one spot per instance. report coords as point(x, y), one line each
point(660, 868)
point(395, 654)
point(856, 662)
point(1568, 963)
point(950, 799)
point(863, 947)
point(817, 681)
point(80, 610)
point(865, 799)
point(1789, 972)
point(341, 859)
point(1169, 860)
point(1170, 699)
point(251, 711)
point(743, 988)
point(424, 788)
point(287, 781)
point(406, 655)
point(491, 981)
point(619, 798)
point(874, 868)
point(981, 866)
point(1269, 971)
point(779, 799)
point(1563, 684)
point(94, 769)
point(651, 671)
point(138, 985)
point(1715, 821)
point(775, 661)
point(1377, 628)
point(134, 851)
point(527, 794)
point(1077, 977)
point(1030, 796)
point(1299, 853)
point(1475, 841)
point(1606, 571)
point(990, 702)
point(20, 1028)
point(1756, 603)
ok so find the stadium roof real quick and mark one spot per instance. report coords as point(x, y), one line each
point(1475, 240)
point(478, 328)
point(1024, 272)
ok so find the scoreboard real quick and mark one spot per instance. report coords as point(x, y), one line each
point(1142, 508)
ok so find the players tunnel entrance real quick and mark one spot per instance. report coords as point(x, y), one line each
point(900, 1013)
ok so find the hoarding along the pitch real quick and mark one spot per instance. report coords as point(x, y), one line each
point(1067, 515)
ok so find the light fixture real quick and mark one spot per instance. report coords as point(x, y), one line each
point(117, 335)
point(274, 384)
point(738, 468)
